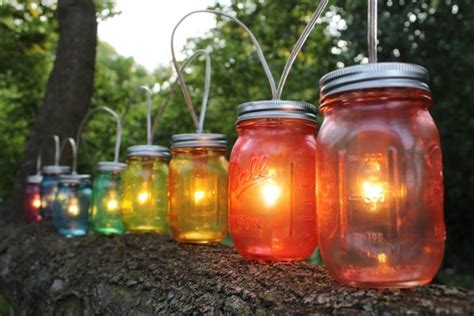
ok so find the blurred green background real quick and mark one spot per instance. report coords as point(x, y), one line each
point(434, 33)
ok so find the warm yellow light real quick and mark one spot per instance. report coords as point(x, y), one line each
point(373, 193)
point(382, 258)
point(271, 193)
point(143, 197)
point(112, 205)
point(36, 203)
point(199, 196)
point(73, 208)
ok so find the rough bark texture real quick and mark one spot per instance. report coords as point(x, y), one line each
point(68, 92)
point(43, 273)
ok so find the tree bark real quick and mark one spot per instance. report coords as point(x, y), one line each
point(68, 92)
point(43, 273)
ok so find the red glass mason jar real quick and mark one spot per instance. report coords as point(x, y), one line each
point(272, 207)
point(379, 177)
point(32, 200)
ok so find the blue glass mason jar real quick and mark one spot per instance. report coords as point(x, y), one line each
point(71, 206)
point(49, 187)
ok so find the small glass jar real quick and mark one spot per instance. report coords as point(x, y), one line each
point(144, 203)
point(272, 207)
point(198, 188)
point(105, 216)
point(379, 177)
point(49, 187)
point(71, 206)
point(32, 199)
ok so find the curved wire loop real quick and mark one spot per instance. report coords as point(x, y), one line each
point(73, 146)
point(255, 43)
point(207, 84)
point(118, 138)
point(57, 152)
point(149, 95)
point(299, 44)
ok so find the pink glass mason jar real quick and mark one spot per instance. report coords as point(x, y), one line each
point(272, 207)
point(379, 177)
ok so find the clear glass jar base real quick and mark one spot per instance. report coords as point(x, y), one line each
point(69, 233)
point(108, 231)
point(146, 229)
point(387, 285)
point(200, 237)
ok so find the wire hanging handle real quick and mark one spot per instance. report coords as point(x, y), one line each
point(118, 139)
point(299, 44)
point(73, 146)
point(57, 152)
point(255, 43)
point(205, 97)
point(149, 95)
point(372, 30)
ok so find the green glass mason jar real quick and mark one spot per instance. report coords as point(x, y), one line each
point(144, 204)
point(105, 216)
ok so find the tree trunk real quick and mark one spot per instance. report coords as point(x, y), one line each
point(68, 92)
point(43, 273)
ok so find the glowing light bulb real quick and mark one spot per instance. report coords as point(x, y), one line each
point(382, 258)
point(36, 203)
point(199, 196)
point(112, 205)
point(143, 197)
point(270, 193)
point(373, 193)
point(73, 208)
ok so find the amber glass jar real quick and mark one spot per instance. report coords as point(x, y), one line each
point(144, 196)
point(198, 188)
point(379, 177)
point(272, 208)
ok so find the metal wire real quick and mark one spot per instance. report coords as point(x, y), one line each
point(149, 95)
point(299, 44)
point(118, 139)
point(72, 143)
point(261, 57)
point(372, 30)
point(205, 97)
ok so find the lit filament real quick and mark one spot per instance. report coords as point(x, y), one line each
point(382, 258)
point(373, 193)
point(270, 193)
point(36, 203)
point(112, 205)
point(199, 196)
point(143, 197)
point(73, 208)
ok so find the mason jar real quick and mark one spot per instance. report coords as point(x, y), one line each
point(272, 208)
point(71, 205)
point(379, 177)
point(49, 187)
point(198, 188)
point(32, 199)
point(105, 216)
point(144, 204)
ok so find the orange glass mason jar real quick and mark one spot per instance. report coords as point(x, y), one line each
point(379, 177)
point(198, 188)
point(272, 207)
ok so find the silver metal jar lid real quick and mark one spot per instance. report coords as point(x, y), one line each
point(376, 75)
point(110, 166)
point(198, 140)
point(37, 178)
point(149, 151)
point(276, 109)
point(55, 170)
point(73, 178)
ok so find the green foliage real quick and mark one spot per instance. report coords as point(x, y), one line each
point(27, 39)
point(433, 33)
